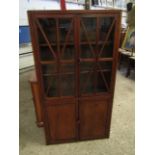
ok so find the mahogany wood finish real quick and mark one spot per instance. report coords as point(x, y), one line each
point(75, 56)
point(36, 100)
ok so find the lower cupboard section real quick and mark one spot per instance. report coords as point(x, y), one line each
point(86, 118)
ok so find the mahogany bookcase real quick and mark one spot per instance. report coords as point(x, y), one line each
point(75, 55)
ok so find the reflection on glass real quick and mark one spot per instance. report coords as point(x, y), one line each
point(49, 69)
point(105, 24)
point(106, 37)
point(107, 51)
point(69, 53)
point(104, 76)
point(65, 28)
point(48, 26)
point(46, 54)
point(88, 29)
point(86, 83)
point(86, 66)
point(87, 51)
point(67, 85)
point(67, 68)
point(50, 85)
point(105, 65)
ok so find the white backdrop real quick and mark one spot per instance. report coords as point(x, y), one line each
point(25, 5)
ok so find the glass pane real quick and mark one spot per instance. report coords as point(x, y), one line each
point(104, 76)
point(67, 85)
point(48, 26)
point(86, 66)
point(87, 77)
point(88, 29)
point(106, 38)
point(87, 83)
point(49, 69)
point(50, 85)
point(103, 81)
point(105, 24)
point(86, 51)
point(105, 65)
point(67, 68)
point(107, 51)
point(66, 30)
point(69, 53)
point(108, 77)
point(46, 54)
point(101, 87)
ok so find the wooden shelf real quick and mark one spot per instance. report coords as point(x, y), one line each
point(72, 43)
point(73, 61)
point(94, 42)
point(73, 73)
point(47, 62)
point(61, 62)
point(54, 44)
point(94, 60)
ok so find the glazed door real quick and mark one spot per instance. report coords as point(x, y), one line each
point(57, 61)
point(96, 42)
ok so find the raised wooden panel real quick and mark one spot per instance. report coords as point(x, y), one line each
point(61, 119)
point(93, 118)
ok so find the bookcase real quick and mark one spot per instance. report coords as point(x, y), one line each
point(75, 55)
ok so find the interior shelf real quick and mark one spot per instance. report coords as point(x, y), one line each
point(71, 61)
point(73, 73)
point(72, 43)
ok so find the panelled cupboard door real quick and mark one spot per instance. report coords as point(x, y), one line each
point(61, 122)
point(93, 118)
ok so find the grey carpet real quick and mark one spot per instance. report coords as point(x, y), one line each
point(121, 141)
